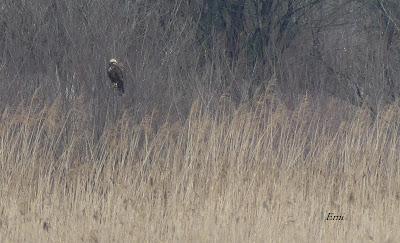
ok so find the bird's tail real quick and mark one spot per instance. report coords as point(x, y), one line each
point(121, 89)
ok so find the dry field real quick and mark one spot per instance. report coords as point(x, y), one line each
point(255, 173)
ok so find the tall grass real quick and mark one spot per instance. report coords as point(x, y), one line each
point(255, 173)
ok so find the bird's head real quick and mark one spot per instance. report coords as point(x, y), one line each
point(113, 61)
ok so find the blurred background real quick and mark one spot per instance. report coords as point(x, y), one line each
point(176, 51)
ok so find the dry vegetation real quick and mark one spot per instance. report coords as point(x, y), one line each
point(255, 173)
point(242, 121)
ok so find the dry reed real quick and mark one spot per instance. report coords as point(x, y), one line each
point(248, 174)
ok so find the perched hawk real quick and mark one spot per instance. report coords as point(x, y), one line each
point(114, 72)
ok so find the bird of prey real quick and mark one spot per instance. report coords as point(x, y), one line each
point(114, 72)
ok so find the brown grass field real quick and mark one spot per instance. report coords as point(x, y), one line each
point(259, 172)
